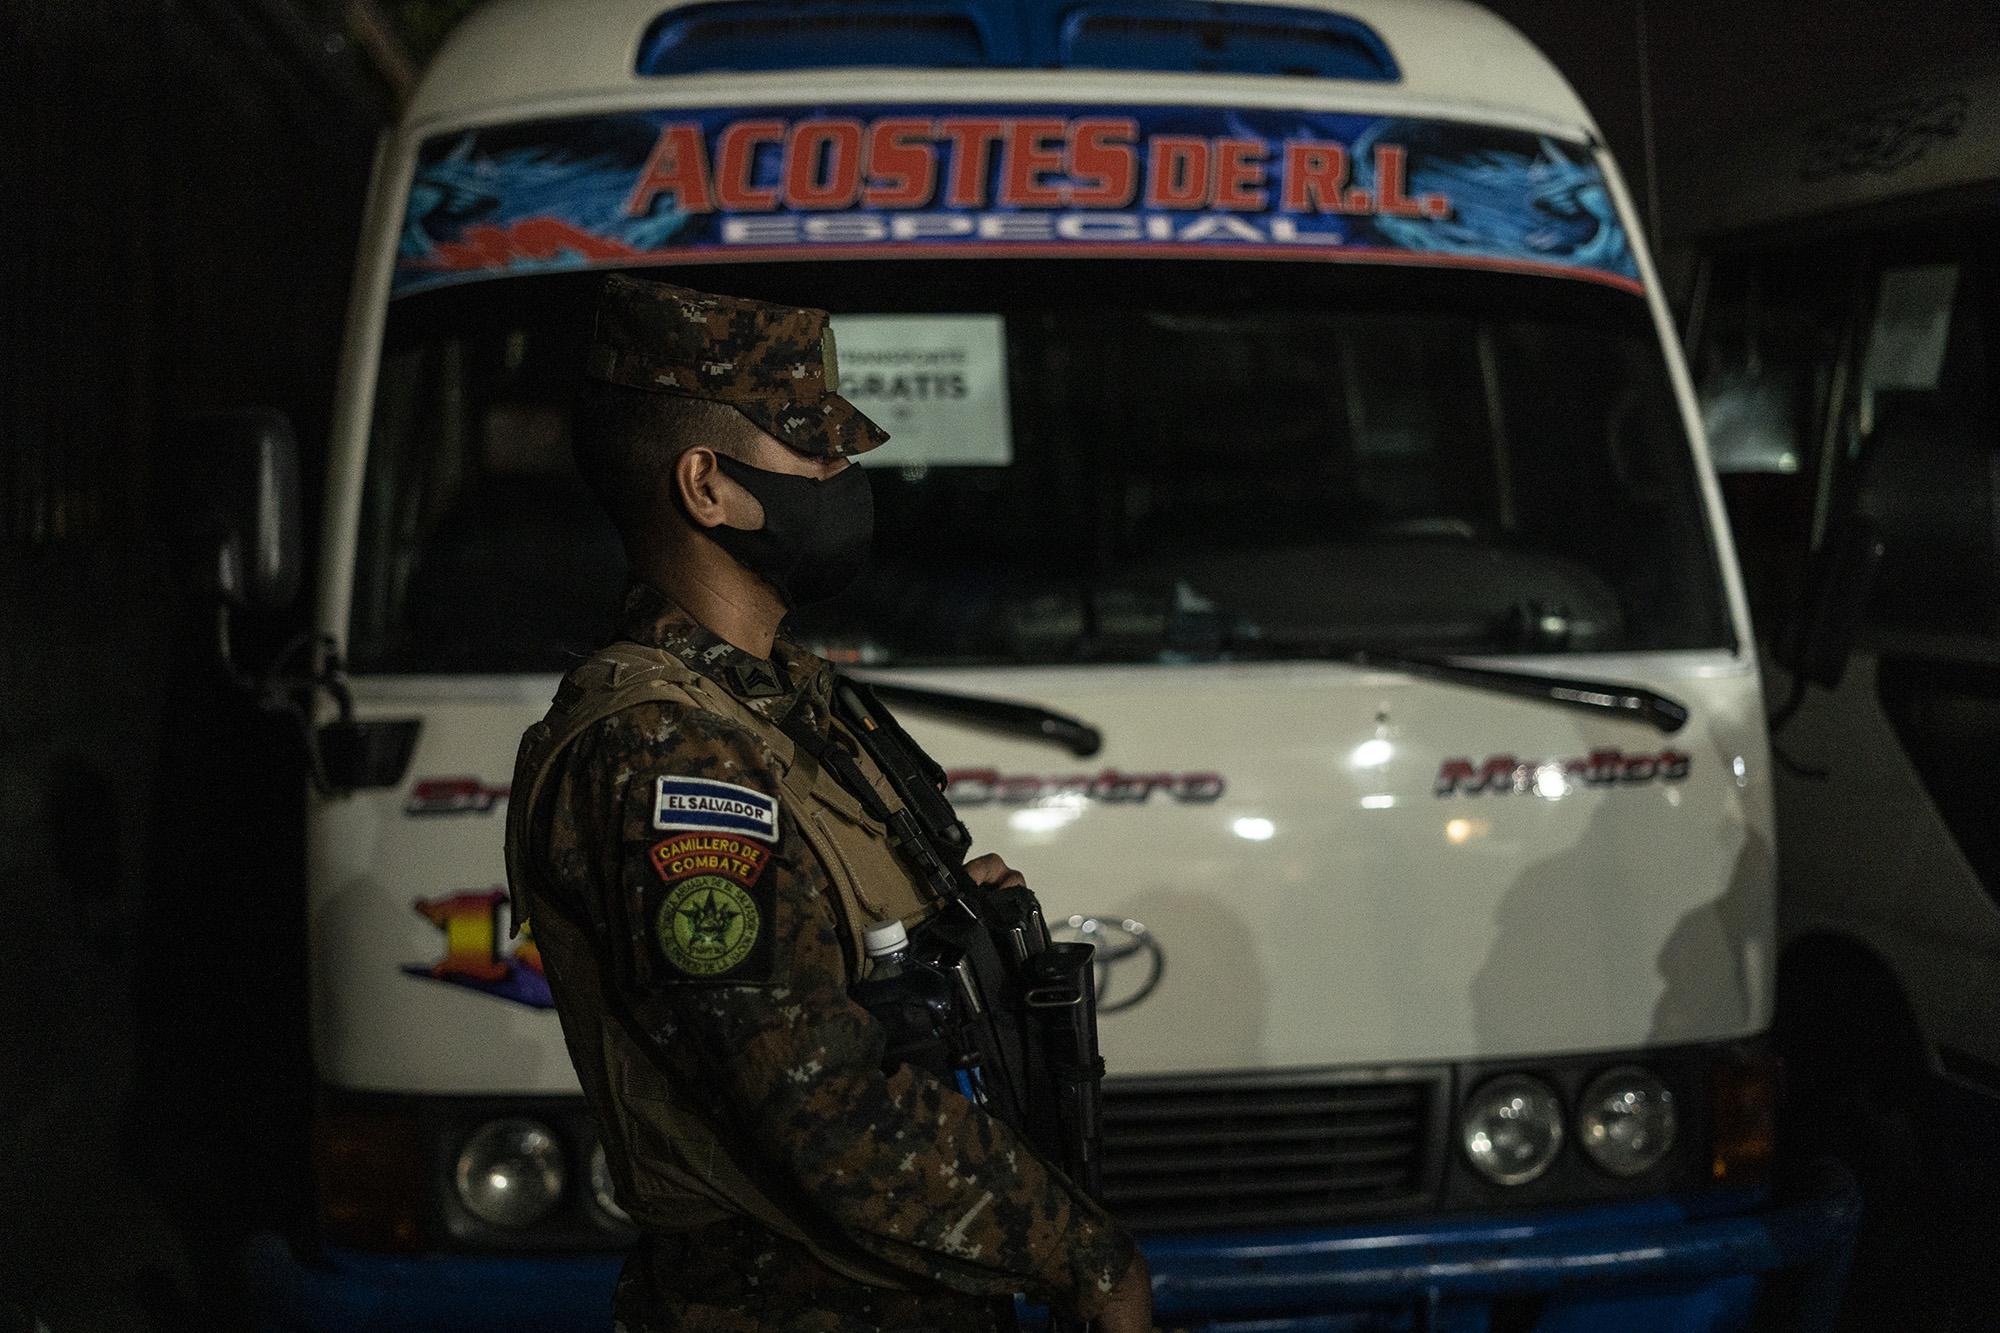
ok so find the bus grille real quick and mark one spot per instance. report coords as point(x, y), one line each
point(1216, 1153)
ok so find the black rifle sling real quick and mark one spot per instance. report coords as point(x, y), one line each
point(917, 778)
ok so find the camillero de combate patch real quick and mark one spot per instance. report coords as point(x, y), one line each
point(712, 921)
point(706, 806)
point(709, 853)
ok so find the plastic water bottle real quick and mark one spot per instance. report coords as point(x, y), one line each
point(887, 945)
point(913, 1003)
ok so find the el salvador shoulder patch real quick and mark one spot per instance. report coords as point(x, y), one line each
point(713, 917)
point(707, 806)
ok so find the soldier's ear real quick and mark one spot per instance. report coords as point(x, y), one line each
point(695, 483)
point(708, 497)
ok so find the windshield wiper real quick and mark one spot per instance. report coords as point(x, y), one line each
point(1033, 722)
point(1006, 716)
point(1634, 701)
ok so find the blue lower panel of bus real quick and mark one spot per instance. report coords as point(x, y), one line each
point(1656, 1265)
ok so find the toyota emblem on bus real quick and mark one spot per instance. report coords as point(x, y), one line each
point(1130, 961)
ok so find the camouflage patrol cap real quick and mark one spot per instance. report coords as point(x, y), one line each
point(773, 363)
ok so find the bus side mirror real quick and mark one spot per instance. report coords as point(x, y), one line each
point(1839, 586)
point(237, 505)
point(236, 511)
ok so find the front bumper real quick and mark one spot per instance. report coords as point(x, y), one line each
point(352, 1291)
point(1659, 1263)
point(1662, 1263)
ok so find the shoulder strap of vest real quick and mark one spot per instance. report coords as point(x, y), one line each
point(614, 679)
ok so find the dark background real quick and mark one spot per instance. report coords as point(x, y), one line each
point(181, 190)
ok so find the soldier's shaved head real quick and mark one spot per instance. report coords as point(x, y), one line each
point(627, 441)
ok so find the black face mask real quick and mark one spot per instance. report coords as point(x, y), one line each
point(816, 534)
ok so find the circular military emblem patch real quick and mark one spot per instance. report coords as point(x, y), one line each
point(707, 925)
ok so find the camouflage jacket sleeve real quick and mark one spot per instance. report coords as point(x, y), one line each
point(904, 1167)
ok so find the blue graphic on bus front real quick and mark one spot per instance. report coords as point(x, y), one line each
point(465, 189)
point(1552, 204)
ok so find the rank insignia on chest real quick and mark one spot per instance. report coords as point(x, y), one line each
point(712, 914)
point(755, 680)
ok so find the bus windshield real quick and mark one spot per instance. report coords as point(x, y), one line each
point(1093, 461)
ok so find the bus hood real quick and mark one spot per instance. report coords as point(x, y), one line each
point(1286, 866)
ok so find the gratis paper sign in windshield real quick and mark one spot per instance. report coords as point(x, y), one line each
point(936, 383)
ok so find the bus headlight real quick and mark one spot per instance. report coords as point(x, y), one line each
point(1511, 1129)
point(510, 1173)
point(1626, 1120)
point(601, 1188)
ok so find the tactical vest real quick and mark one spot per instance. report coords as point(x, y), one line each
point(673, 1170)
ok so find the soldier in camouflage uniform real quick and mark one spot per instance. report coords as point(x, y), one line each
point(698, 884)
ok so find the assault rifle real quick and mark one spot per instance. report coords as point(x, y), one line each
point(1050, 1053)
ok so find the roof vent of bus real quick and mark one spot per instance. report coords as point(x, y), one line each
point(749, 35)
point(1225, 38)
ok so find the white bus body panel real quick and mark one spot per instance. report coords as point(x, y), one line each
point(1376, 923)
